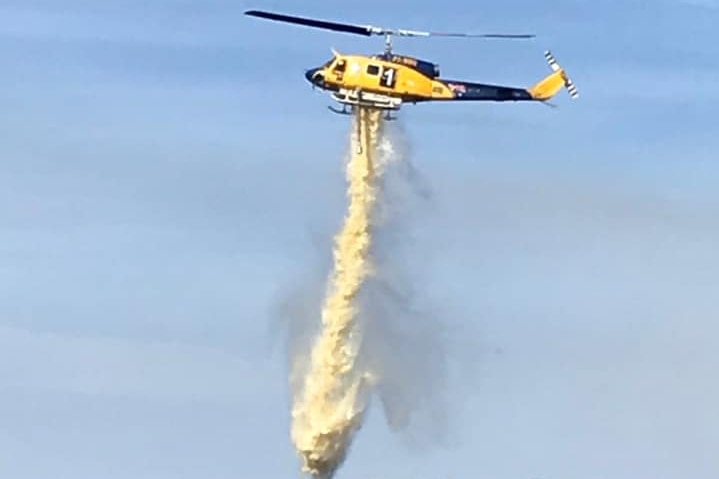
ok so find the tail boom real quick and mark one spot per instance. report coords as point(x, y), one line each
point(455, 90)
point(545, 89)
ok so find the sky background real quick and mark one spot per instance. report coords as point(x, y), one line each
point(167, 177)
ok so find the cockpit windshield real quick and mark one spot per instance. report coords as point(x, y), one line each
point(340, 65)
point(337, 64)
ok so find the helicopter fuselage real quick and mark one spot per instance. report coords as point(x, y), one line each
point(386, 81)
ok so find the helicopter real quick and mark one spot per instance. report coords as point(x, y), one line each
point(388, 80)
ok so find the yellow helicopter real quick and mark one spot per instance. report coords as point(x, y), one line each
point(386, 81)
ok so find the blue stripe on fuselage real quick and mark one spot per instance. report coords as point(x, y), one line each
point(483, 92)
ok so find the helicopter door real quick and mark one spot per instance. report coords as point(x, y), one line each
point(387, 75)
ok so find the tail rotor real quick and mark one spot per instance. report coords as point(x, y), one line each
point(568, 83)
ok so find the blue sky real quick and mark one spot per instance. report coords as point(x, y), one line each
point(168, 178)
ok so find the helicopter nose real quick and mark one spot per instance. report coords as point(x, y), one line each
point(310, 75)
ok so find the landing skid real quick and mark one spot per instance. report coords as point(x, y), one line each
point(343, 111)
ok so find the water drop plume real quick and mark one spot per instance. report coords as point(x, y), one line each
point(368, 333)
point(332, 397)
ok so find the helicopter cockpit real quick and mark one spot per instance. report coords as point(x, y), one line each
point(334, 68)
point(336, 65)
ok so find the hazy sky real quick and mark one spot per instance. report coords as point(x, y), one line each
point(168, 177)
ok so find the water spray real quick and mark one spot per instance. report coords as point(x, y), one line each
point(330, 406)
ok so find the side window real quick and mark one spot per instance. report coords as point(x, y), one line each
point(372, 69)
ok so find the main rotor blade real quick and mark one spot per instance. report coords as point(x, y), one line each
point(414, 33)
point(482, 35)
point(309, 22)
point(369, 30)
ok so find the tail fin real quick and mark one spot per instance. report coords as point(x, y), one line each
point(550, 85)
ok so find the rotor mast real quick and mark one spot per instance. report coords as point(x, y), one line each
point(388, 44)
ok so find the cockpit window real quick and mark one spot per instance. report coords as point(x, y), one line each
point(340, 66)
